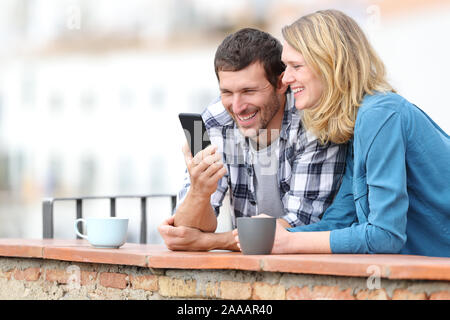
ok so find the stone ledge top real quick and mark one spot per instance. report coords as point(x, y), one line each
point(159, 257)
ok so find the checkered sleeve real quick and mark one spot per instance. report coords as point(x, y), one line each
point(316, 175)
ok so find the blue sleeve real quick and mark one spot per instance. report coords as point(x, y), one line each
point(383, 145)
point(341, 213)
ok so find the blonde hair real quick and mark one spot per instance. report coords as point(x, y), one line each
point(335, 47)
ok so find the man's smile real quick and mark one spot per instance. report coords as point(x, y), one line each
point(247, 116)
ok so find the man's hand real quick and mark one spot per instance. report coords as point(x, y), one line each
point(205, 170)
point(191, 239)
point(181, 238)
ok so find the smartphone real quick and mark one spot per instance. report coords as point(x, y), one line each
point(195, 131)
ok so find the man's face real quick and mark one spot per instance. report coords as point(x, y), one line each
point(251, 100)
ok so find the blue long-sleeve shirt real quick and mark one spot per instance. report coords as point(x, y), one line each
point(395, 194)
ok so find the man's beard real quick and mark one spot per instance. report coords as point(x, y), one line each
point(268, 112)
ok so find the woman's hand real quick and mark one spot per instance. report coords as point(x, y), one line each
point(281, 243)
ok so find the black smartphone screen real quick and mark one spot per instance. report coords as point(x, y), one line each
point(195, 131)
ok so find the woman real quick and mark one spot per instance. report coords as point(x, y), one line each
point(395, 195)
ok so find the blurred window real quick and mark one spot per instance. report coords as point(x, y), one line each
point(126, 175)
point(56, 102)
point(200, 99)
point(157, 98)
point(54, 176)
point(88, 175)
point(87, 101)
point(4, 171)
point(126, 98)
point(28, 87)
point(1, 113)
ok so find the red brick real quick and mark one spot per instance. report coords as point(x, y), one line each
point(56, 275)
point(235, 290)
point(319, 293)
point(126, 255)
point(404, 294)
point(29, 274)
point(145, 282)
point(114, 280)
point(332, 293)
point(391, 266)
point(265, 291)
point(203, 260)
point(296, 293)
point(378, 294)
point(209, 290)
point(88, 278)
point(62, 276)
point(440, 295)
point(172, 287)
point(158, 256)
point(21, 248)
point(6, 274)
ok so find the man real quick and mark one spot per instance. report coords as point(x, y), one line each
point(270, 163)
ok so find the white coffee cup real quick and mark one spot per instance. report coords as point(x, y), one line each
point(110, 232)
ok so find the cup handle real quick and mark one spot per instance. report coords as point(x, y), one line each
point(76, 228)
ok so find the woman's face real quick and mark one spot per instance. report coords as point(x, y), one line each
point(304, 83)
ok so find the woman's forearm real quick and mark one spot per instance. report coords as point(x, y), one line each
point(303, 242)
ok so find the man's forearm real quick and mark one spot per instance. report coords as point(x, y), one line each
point(221, 241)
point(196, 212)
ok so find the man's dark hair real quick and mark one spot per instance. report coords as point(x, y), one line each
point(246, 46)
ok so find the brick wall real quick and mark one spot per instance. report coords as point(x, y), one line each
point(25, 278)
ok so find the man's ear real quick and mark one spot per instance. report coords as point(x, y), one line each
point(281, 87)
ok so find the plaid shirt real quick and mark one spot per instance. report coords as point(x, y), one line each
point(309, 174)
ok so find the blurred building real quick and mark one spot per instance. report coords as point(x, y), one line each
point(90, 90)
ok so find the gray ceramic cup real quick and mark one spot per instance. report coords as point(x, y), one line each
point(256, 235)
point(108, 232)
